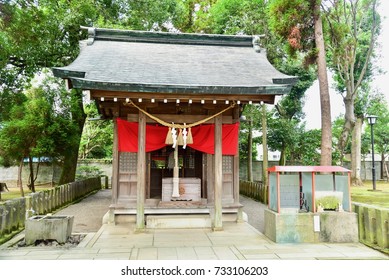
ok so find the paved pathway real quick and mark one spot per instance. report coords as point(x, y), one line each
point(238, 241)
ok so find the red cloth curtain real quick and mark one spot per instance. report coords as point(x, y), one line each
point(128, 136)
point(203, 137)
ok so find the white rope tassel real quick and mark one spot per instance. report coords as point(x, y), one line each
point(174, 136)
point(184, 136)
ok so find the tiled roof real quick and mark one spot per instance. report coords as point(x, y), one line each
point(173, 62)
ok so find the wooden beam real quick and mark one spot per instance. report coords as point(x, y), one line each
point(141, 184)
point(184, 97)
point(218, 215)
point(188, 119)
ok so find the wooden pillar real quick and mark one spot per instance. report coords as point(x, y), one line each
point(115, 163)
point(141, 173)
point(239, 217)
point(210, 179)
point(115, 173)
point(218, 223)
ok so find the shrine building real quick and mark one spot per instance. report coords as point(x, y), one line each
point(176, 101)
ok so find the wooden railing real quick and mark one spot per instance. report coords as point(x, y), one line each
point(255, 190)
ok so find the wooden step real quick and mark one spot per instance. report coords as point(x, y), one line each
point(178, 221)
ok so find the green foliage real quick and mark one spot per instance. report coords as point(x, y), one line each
point(351, 28)
point(306, 150)
point(39, 34)
point(87, 171)
point(41, 126)
point(294, 21)
point(328, 202)
point(379, 107)
point(282, 135)
point(234, 17)
point(11, 85)
point(147, 14)
point(97, 137)
point(252, 114)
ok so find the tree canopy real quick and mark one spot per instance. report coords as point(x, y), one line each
point(36, 35)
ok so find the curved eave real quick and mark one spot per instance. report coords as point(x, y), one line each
point(277, 89)
point(67, 74)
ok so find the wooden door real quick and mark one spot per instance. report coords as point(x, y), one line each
point(127, 177)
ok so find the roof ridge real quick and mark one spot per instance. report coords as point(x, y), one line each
point(105, 34)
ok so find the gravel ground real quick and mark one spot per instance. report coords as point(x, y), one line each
point(88, 213)
point(255, 212)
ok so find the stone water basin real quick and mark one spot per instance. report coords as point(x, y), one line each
point(48, 227)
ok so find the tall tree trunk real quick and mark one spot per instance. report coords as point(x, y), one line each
point(356, 154)
point(69, 166)
point(382, 165)
point(326, 130)
point(349, 123)
point(32, 180)
point(20, 183)
point(386, 169)
point(250, 152)
point(283, 155)
point(265, 162)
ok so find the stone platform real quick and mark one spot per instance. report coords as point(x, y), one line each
point(331, 226)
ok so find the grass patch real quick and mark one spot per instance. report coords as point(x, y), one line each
point(15, 193)
point(365, 194)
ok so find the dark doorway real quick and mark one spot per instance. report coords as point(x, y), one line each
point(162, 163)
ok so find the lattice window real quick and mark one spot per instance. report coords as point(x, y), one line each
point(127, 162)
point(227, 164)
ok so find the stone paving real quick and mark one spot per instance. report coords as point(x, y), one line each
point(237, 241)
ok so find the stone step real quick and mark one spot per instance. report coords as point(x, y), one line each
point(178, 221)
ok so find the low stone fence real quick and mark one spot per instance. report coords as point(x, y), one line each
point(255, 190)
point(373, 223)
point(14, 212)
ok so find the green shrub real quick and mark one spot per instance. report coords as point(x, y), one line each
point(87, 171)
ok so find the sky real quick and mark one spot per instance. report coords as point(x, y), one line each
point(312, 101)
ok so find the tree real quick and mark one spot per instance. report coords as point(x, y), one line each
point(42, 126)
point(97, 137)
point(232, 17)
point(288, 112)
point(282, 136)
point(248, 143)
point(35, 35)
point(379, 107)
point(40, 35)
point(265, 158)
point(140, 15)
point(19, 136)
point(353, 28)
point(300, 22)
point(306, 150)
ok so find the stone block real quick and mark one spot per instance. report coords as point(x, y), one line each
point(289, 227)
point(48, 227)
point(338, 227)
point(382, 216)
point(178, 221)
point(189, 189)
point(300, 227)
